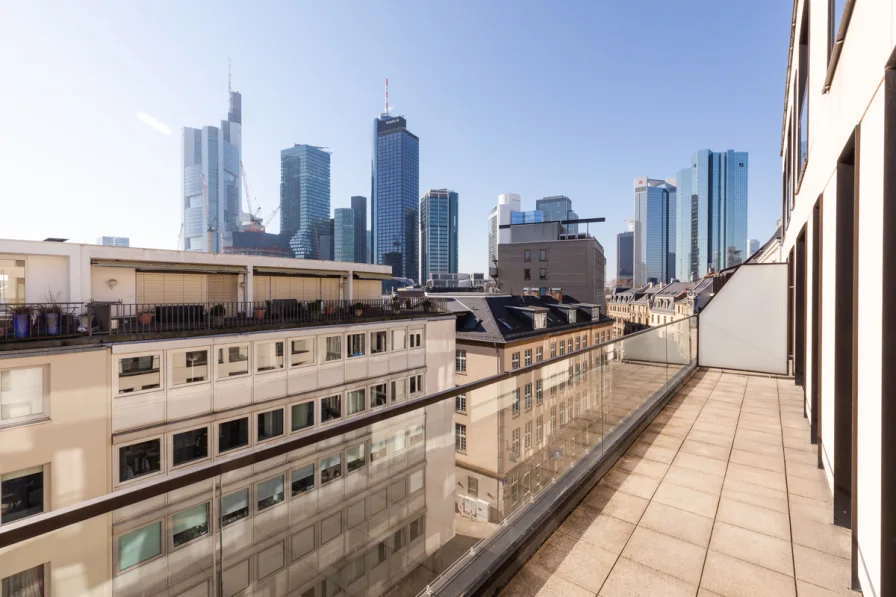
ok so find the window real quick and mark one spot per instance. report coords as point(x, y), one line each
point(138, 460)
point(378, 449)
point(473, 486)
point(569, 411)
point(460, 361)
point(22, 394)
point(460, 438)
point(569, 345)
point(189, 524)
point(139, 546)
point(377, 554)
point(399, 441)
point(329, 587)
point(356, 457)
point(562, 348)
point(22, 494)
point(528, 397)
point(398, 491)
point(270, 560)
point(539, 392)
point(398, 541)
point(190, 366)
point(543, 255)
point(136, 374)
point(378, 395)
point(303, 416)
point(553, 349)
point(357, 401)
point(398, 393)
point(835, 12)
point(377, 342)
point(543, 273)
point(460, 403)
point(232, 361)
point(527, 255)
point(515, 361)
point(416, 338)
point(562, 414)
point(233, 434)
point(355, 345)
point(527, 360)
point(302, 479)
point(515, 403)
point(303, 543)
point(301, 352)
point(553, 418)
point(539, 354)
point(270, 492)
point(355, 514)
point(354, 569)
point(515, 441)
point(269, 356)
point(803, 91)
point(416, 383)
point(415, 530)
point(378, 501)
point(416, 435)
point(27, 583)
point(415, 482)
point(330, 468)
point(234, 507)
point(399, 339)
point(578, 343)
point(539, 429)
point(585, 341)
point(527, 274)
point(330, 528)
point(330, 408)
point(527, 437)
point(333, 348)
point(190, 445)
point(270, 424)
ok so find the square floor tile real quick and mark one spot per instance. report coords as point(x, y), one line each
point(607, 532)
point(686, 526)
point(749, 445)
point(703, 449)
point(803, 507)
point(632, 483)
point(618, 504)
point(642, 466)
point(579, 562)
point(750, 546)
point(736, 578)
point(816, 490)
point(704, 464)
point(687, 499)
point(821, 569)
point(828, 538)
point(804, 589)
point(532, 581)
point(754, 518)
point(631, 579)
point(761, 461)
point(757, 496)
point(694, 479)
point(756, 476)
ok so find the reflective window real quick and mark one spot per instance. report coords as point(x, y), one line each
point(357, 401)
point(233, 361)
point(302, 352)
point(302, 416)
point(270, 424)
point(355, 457)
point(190, 445)
point(233, 434)
point(139, 459)
point(302, 479)
point(140, 545)
point(377, 342)
point(330, 408)
point(330, 468)
point(333, 346)
point(22, 494)
point(355, 345)
point(269, 356)
point(136, 374)
point(21, 393)
point(189, 524)
point(234, 506)
point(378, 395)
point(270, 492)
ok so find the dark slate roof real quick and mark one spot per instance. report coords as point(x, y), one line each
point(675, 288)
point(504, 318)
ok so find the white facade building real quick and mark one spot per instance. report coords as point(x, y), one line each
point(499, 216)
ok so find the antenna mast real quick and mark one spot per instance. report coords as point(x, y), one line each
point(229, 88)
point(387, 96)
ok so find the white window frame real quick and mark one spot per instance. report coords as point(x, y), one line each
point(116, 545)
point(44, 471)
point(256, 355)
point(116, 460)
point(210, 518)
point(363, 337)
point(162, 372)
point(209, 365)
point(460, 404)
point(515, 360)
point(372, 335)
point(415, 338)
point(419, 384)
point(170, 441)
point(345, 399)
point(539, 354)
point(250, 434)
point(44, 415)
point(323, 349)
point(254, 423)
point(310, 339)
point(527, 357)
point(218, 348)
point(404, 340)
point(315, 418)
point(460, 361)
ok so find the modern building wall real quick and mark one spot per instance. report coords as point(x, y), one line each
point(558, 208)
point(395, 178)
point(438, 233)
point(625, 262)
point(344, 226)
point(304, 198)
point(754, 246)
point(508, 203)
point(654, 233)
point(114, 241)
point(359, 208)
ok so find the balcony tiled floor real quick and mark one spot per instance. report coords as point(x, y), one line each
point(720, 496)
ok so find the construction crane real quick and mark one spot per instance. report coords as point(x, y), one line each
point(270, 217)
point(255, 223)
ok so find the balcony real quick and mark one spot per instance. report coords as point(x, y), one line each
point(41, 324)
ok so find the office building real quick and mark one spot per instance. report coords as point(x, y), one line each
point(114, 241)
point(324, 235)
point(500, 215)
point(344, 234)
point(754, 246)
point(711, 220)
point(438, 233)
point(211, 204)
point(259, 243)
point(558, 208)
point(359, 208)
point(654, 231)
point(305, 199)
point(533, 216)
point(369, 247)
point(625, 256)
point(395, 196)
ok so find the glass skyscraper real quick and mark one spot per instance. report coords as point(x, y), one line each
point(395, 192)
point(359, 208)
point(305, 199)
point(654, 233)
point(534, 216)
point(438, 233)
point(711, 220)
point(344, 234)
point(210, 182)
point(558, 208)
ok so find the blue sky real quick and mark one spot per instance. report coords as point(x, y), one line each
point(537, 98)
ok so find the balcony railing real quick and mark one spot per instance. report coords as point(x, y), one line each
point(66, 320)
point(376, 500)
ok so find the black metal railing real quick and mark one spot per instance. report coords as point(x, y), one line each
point(37, 321)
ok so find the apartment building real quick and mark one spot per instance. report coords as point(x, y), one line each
point(498, 333)
point(123, 368)
point(838, 150)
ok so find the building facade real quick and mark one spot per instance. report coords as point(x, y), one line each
point(395, 192)
point(534, 216)
point(557, 208)
point(508, 203)
point(754, 246)
point(625, 257)
point(304, 198)
point(438, 233)
point(114, 241)
point(359, 208)
point(134, 406)
point(344, 226)
point(654, 231)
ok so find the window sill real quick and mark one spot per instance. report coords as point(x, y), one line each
point(24, 421)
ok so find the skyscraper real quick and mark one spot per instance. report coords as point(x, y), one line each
point(712, 213)
point(508, 203)
point(304, 198)
point(438, 233)
point(210, 182)
point(359, 208)
point(625, 263)
point(114, 241)
point(395, 192)
point(556, 208)
point(754, 246)
point(344, 234)
point(654, 233)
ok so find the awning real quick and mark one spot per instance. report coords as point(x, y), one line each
point(177, 268)
point(371, 276)
point(289, 271)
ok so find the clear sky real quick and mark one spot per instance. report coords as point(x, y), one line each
point(536, 98)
